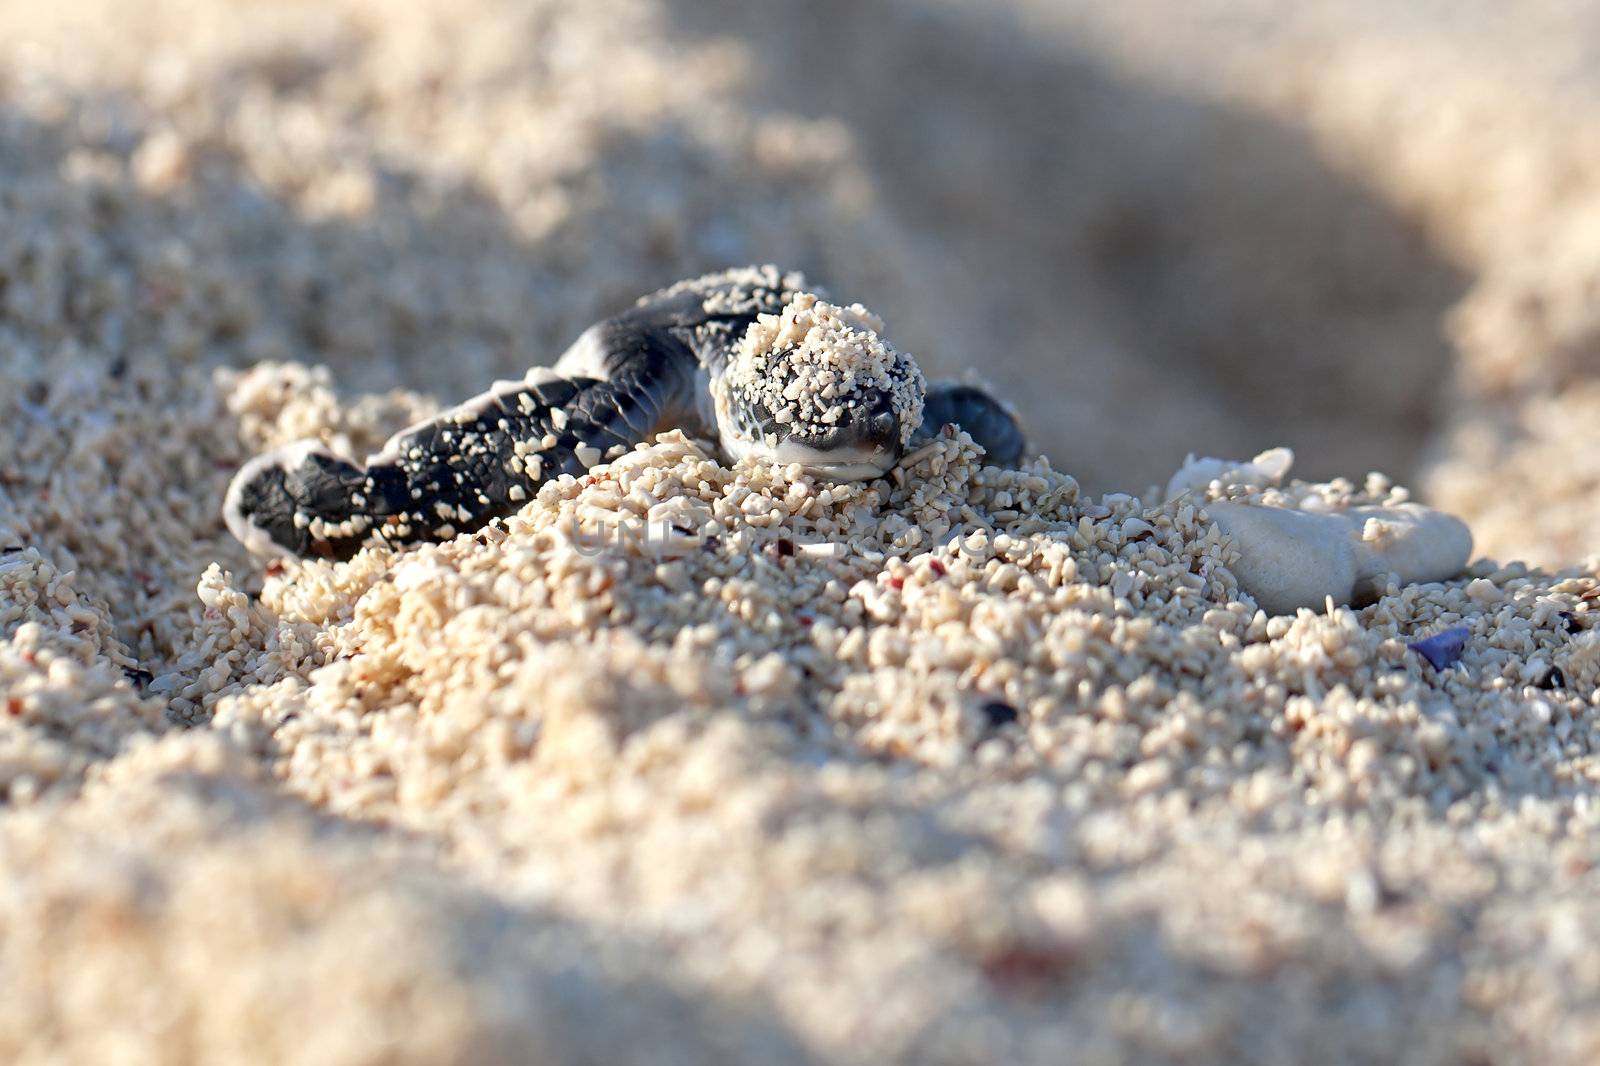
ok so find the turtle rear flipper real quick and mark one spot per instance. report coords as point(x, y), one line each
point(272, 499)
point(453, 474)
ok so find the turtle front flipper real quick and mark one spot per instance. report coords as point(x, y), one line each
point(988, 421)
point(456, 473)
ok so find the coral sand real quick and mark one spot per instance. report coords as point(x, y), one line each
point(689, 762)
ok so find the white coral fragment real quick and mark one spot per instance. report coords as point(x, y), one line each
point(1289, 558)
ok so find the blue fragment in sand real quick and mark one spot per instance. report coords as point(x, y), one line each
point(1443, 650)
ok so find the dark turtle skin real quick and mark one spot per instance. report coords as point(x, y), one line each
point(643, 371)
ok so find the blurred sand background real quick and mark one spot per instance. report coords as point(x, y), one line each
point(1212, 227)
point(1367, 231)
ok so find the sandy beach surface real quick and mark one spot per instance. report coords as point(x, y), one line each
point(1051, 791)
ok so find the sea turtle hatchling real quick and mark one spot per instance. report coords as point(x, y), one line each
point(748, 356)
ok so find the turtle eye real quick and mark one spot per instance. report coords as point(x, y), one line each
point(882, 423)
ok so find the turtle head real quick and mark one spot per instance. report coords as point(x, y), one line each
point(817, 386)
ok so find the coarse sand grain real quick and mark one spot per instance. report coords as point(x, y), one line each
point(696, 762)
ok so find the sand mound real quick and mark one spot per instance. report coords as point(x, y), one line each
point(698, 763)
point(963, 734)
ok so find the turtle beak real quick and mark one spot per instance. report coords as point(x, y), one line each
point(849, 463)
point(864, 469)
